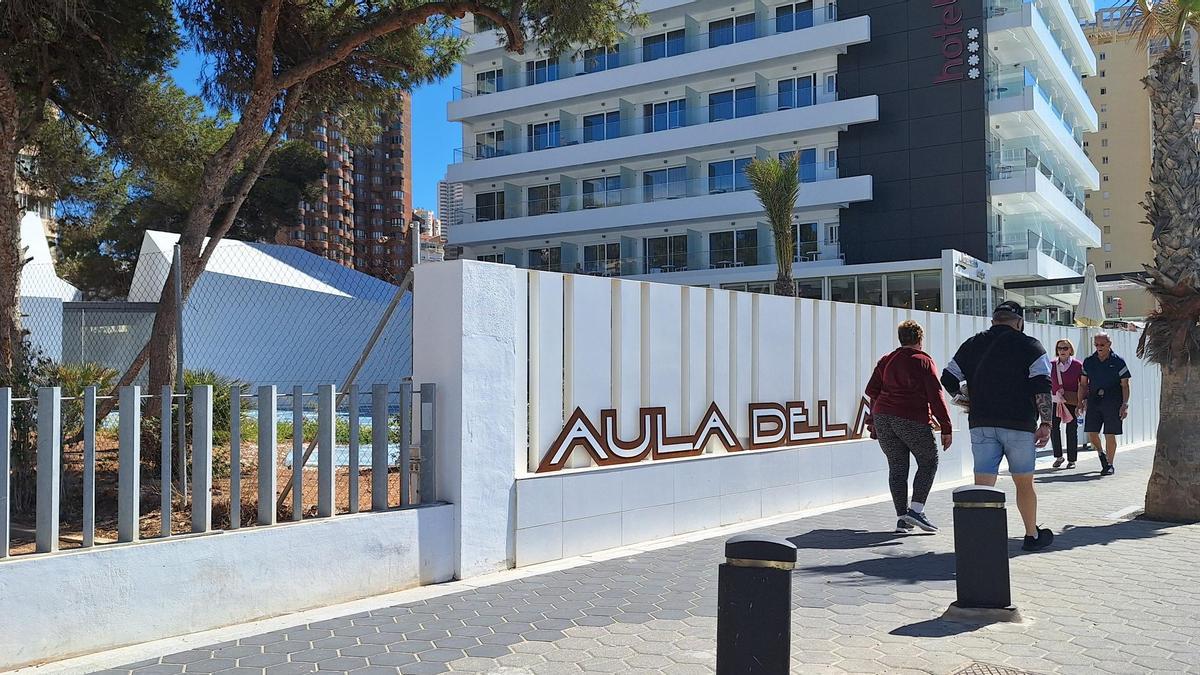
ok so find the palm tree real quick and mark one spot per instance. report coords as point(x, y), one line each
point(777, 184)
point(1172, 336)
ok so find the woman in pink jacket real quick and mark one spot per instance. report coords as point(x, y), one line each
point(1064, 385)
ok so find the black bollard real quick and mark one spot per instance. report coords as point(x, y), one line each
point(981, 549)
point(754, 606)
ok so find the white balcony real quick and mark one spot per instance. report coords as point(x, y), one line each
point(825, 38)
point(573, 154)
point(573, 218)
point(1021, 35)
point(1029, 113)
point(1017, 191)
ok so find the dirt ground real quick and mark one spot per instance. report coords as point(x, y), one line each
point(71, 498)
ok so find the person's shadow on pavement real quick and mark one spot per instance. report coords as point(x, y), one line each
point(845, 539)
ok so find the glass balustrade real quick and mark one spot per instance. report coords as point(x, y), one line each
point(650, 188)
point(654, 117)
point(652, 47)
point(1015, 81)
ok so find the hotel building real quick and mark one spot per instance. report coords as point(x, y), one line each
point(940, 148)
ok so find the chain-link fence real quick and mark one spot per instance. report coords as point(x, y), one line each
point(259, 314)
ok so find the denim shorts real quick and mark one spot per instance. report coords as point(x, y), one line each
point(991, 444)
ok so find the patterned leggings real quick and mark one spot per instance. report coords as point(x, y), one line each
point(897, 438)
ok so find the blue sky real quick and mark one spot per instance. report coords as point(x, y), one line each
point(433, 139)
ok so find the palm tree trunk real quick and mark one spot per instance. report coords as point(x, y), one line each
point(784, 246)
point(1172, 337)
point(1173, 493)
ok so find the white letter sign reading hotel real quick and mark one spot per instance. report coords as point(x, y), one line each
point(772, 425)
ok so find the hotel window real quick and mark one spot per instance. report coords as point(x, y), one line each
point(601, 192)
point(1101, 56)
point(489, 206)
point(541, 70)
point(1103, 107)
point(899, 290)
point(1104, 178)
point(665, 115)
point(489, 82)
point(795, 93)
point(1108, 264)
point(813, 289)
point(601, 58)
point(546, 259)
point(602, 259)
point(397, 194)
point(544, 199)
point(542, 136)
point(831, 158)
point(927, 291)
point(831, 83)
point(808, 164)
point(666, 254)
point(1103, 126)
point(1107, 212)
point(1103, 91)
point(732, 248)
point(793, 17)
point(804, 238)
point(1108, 248)
point(1104, 142)
point(832, 233)
point(842, 289)
point(728, 176)
point(664, 184)
point(601, 126)
point(731, 30)
point(1101, 73)
point(1108, 229)
point(491, 257)
point(664, 44)
point(1104, 159)
point(726, 105)
point(1104, 195)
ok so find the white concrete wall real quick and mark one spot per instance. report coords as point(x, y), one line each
point(470, 329)
point(61, 605)
point(627, 344)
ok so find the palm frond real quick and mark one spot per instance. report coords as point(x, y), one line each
point(777, 185)
point(1163, 21)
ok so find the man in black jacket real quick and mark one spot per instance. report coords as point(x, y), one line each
point(1007, 374)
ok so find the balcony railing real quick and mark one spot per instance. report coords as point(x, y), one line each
point(1013, 82)
point(1016, 161)
point(669, 118)
point(641, 194)
point(682, 261)
point(996, 8)
point(670, 44)
point(1017, 246)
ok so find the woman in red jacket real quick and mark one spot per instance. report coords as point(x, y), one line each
point(905, 394)
point(1064, 385)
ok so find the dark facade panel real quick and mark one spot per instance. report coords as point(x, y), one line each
point(927, 152)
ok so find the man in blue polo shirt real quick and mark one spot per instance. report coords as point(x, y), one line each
point(1104, 397)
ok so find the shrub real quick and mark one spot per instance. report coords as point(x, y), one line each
point(73, 378)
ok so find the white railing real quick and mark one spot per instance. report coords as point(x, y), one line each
point(400, 419)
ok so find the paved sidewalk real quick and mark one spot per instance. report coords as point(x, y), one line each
point(1111, 596)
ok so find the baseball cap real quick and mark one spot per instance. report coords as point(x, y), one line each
point(1010, 307)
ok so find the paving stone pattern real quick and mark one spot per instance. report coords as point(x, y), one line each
point(1112, 596)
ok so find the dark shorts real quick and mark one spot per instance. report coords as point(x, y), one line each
point(1104, 416)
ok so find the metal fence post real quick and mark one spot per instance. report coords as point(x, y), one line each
point(428, 442)
point(89, 467)
point(49, 467)
point(235, 457)
point(5, 466)
point(326, 498)
point(379, 447)
point(754, 606)
point(297, 452)
point(352, 404)
point(167, 485)
point(267, 442)
point(406, 436)
point(180, 387)
point(129, 486)
point(202, 450)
